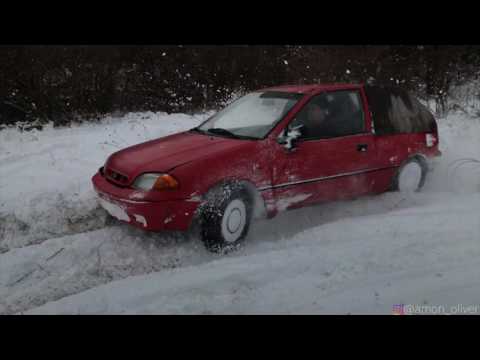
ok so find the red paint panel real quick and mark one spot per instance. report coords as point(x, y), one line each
point(318, 159)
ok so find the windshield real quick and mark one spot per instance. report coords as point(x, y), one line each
point(251, 116)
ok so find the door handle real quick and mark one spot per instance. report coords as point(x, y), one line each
point(362, 147)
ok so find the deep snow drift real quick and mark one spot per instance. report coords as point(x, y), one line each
point(61, 254)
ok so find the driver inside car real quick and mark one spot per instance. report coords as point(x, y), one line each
point(316, 122)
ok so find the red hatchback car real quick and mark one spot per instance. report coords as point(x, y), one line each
point(274, 149)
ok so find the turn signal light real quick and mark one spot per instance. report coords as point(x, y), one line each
point(165, 182)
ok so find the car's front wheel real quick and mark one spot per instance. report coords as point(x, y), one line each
point(226, 217)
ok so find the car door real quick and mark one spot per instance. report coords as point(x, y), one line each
point(334, 156)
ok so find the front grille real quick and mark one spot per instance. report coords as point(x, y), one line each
point(116, 177)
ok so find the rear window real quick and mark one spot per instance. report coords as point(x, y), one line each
point(395, 111)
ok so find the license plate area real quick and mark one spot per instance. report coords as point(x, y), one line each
point(115, 210)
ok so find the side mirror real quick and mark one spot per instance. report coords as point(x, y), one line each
point(289, 136)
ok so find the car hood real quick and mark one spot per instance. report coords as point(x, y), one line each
point(167, 153)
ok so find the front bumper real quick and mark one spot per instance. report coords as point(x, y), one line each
point(148, 215)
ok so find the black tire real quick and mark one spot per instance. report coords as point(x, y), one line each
point(212, 215)
point(424, 169)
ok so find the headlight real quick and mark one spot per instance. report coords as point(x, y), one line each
point(155, 182)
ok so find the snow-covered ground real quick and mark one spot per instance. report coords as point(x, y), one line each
point(61, 254)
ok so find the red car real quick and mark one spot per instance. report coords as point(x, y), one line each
point(274, 149)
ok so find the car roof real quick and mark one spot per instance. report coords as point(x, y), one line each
point(310, 88)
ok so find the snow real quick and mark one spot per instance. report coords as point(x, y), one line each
point(62, 255)
point(141, 219)
point(291, 135)
point(353, 265)
point(284, 203)
point(114, 210)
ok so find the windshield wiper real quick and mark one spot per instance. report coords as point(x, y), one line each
point(221, 131)
point(224, 132)
point(214, 131)
point(228, 133)
point(196, 129)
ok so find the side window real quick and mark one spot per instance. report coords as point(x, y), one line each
point(395, 111)
point(332, 114)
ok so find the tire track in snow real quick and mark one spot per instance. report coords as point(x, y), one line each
point(33, 223)
point(37, 274)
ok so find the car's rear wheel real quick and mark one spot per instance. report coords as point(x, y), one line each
point(225, 218)
point(411, 176)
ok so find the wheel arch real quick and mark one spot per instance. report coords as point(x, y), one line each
point(421, 159)
point(258, 202)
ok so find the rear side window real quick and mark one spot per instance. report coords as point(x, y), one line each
point(332, 114)
point(395, 111)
